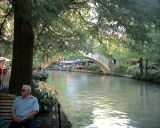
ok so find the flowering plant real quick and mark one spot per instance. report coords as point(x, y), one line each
point(46, 95)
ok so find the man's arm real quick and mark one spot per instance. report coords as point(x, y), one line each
point(13, 111)
point(30, 115)
point(14, 116)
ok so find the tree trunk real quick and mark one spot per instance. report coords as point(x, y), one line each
point(21, 72)
point(141, 66)
point(146, 69)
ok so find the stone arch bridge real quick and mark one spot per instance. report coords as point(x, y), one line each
point(100, 60)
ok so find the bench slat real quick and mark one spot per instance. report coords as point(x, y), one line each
point(5, 110)
point(7, 104)
point(5, 113)
point(6, 101)
point(5, 97)
point(5, 107)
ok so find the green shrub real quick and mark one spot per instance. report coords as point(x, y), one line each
point(157, 77)
point(153, 75)
point(150, 74)
point(121, 68)
point(94, 67)
point(130, 69)
point(40, 75)
point(46, 95)
point(134, 71)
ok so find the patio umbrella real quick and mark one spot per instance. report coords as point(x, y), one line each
point(4, 59)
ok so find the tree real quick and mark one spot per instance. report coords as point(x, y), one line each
point(24, 19)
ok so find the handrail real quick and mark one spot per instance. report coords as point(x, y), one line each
point(59, 114)
point(97, 57)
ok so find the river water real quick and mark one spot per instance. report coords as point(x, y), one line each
point(101, 101)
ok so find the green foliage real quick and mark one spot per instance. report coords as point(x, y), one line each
point(6, 28)
point(126, 55)
point(153, 74)
point(46, 96)
point(39, 75)
point(94, 67)
point(154, 49)
point(121, 69)
point(134, 71)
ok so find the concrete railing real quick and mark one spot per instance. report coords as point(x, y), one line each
point(101, 61)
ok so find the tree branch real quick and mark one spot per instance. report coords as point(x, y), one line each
point(41, 31)
point(81, 3)
point(54, 32)
point(4, 21)
point(84, 18)
point(5, 42)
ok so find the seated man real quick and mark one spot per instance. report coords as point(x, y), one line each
point(24, 109)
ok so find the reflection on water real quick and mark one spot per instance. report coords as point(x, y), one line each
point(95, 101)
point(108, 118)
point(104, 116)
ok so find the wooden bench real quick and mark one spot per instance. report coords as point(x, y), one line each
point(6, 101)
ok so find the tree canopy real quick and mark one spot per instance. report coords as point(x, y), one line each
point(72, 25)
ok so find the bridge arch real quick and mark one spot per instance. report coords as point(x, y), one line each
point(100, 60)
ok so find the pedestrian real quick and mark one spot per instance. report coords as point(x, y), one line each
point(5, 78)
point(1, 72)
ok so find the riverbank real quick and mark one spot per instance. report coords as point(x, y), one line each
point(101, 73)
point(50, 121)
point(74, 70)
point(87, 71)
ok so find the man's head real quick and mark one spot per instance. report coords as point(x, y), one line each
point(26, 90)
